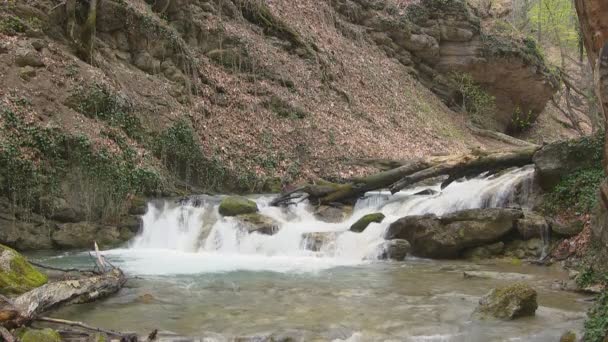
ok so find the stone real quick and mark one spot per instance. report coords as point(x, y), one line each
point(27, 73)
point(394, 249)
point(17, 276)
point(237, 205)
point(26, 235)
point(145, 62)
point(566, 229)
point(455, 34)
point(331, 214)
point(316, 241)
point(448, 236)
point(28, 57)
point(256, 223)
point(42, 335)
point(484, 252)
point(532, 225)
point(39, 44)
point(59, 210)
point(83, 234)
point(568, 336)
point(508, 303)
point(554, 161)
point(363, 222)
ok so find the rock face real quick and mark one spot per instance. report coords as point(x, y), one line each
point(532, 225)
point(42, 335)
point(394, 249)
point(82, 234)
point(566, 229)
point(16, 274)
point(446, 237)
point(363, 222)
point(554, 161)
point(507, 303)
point(437, 37)
point(236, 205)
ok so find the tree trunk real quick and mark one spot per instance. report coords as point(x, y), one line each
point(29, 305)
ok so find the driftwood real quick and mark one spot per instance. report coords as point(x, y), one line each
point(410, 173)
point(27, 307)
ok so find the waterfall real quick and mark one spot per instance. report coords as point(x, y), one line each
point(192, 237)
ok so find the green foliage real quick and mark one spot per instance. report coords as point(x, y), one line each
point(557, 19)
point(589, 276)
point(11, 25)
point(98, 101)
point(35, 161)
point(476, 101)
point(596, 325)
point(577, 191)
point(521, 120)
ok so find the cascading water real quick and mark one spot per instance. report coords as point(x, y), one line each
point(193, 238)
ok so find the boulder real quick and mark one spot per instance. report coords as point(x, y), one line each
point(566, 229)
point(42, 335)
point(507, 303)
point(256, 223)
point(316, 241)
point(532, 225)
point(237, 205)
point(448, 236)
point(484, 252)
point(331, 214)
point(394, 249)
point(363, 222)
point(83, 234)
point(554, 161)
point(28, 57)
point(16, 274)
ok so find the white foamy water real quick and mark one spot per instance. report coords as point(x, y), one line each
point(191, 238)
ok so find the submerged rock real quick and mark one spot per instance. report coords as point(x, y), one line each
point(394, 249)
point(510, 302)
point(237, 205)
point(16, 274)
point(256, 223)
point(43, 335)
point(446, 237)
point(363, 222)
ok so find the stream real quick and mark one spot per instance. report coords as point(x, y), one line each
point(199, 274)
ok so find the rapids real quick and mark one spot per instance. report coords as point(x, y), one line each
point(199, 273)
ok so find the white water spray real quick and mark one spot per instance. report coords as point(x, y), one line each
point(193, 238)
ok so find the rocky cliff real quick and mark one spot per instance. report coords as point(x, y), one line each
point(104, 105)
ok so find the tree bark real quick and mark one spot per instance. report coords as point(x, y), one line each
point(30, 305)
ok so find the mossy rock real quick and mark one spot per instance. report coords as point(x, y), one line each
point(237, 205)
point(363, 222)
point(44, 335)
point(507, 303)
point(16, 274)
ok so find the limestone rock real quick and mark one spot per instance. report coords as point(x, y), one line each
point(236, 205)
point(363, 222)
point(16, 274)
point(394, 249)
point(554, 161)
point(507, 303)
point(532, 225)
point(256, 223)
point(448, 236)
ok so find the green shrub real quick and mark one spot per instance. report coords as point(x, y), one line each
point(596, 325)
point(11, 25)
point(577, 191)
point(475, 101)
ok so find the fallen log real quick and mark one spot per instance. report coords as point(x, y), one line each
point(27, 307)
point(413, 171)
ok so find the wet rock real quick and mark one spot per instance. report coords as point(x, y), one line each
point(568, 336)
point(83, 234)
point(532, 225)
point(16, 274)
point(237, 205)
point(28, 57)
point(256, 223)
point(332, 214)
point(448, 236)
point(363, 222)
point(316, 241)
point(131, 222)
point(506, 276)
point(559, 159)
point(485, 252)
point(139, 206)
point(566, 229)
point(43, 335)
point(507, 303)
point(394, 249)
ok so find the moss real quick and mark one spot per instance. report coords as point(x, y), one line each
point(236, 205)
point(509, 302)
point(44, 335)
point(365, 221)
point(16, 274)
